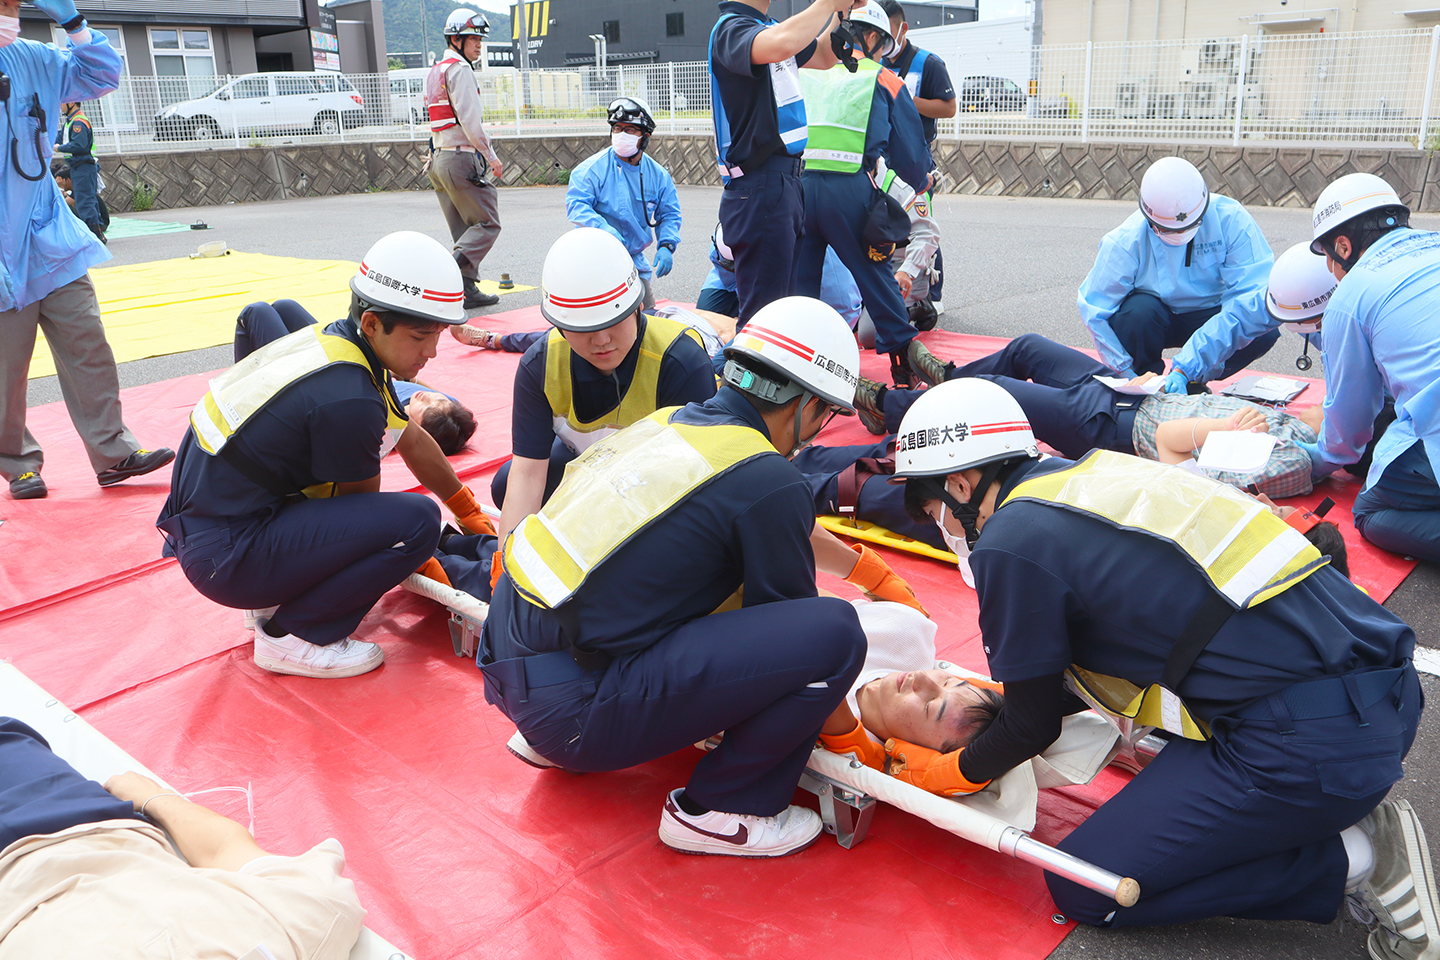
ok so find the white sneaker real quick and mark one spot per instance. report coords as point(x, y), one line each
point(300, 658)
point(738, 834)
point(522, 750)
point(1400, 893)
point(253, 617)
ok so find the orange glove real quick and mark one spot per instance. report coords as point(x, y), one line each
point(994, 685)
point(468, 513)
point(857, 744)
point(879, 582)
point(497, 566)
point(434, 571)
point(929, 769)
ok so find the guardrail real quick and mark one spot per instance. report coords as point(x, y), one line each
point(1345, 88)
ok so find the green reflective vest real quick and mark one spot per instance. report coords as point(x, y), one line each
point(837, 105)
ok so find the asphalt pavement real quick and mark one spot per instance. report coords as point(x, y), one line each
point(1013, 265)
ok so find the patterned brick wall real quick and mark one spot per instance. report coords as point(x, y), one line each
point(1265, 176)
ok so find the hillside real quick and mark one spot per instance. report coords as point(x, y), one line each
point(402, 23)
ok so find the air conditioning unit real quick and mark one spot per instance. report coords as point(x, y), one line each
point(1217, 54)
point(1132, 98)
point(1207, 99)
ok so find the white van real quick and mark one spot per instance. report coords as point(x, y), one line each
point(263, 103)
point(407, 95)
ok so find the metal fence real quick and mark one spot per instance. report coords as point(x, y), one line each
point(1350, 88)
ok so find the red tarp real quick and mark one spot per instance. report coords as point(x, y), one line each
point(457, 848)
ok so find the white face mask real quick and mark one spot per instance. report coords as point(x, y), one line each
point(961, 549)
point(9, 30)
point(1178, 239)
point(625, 144)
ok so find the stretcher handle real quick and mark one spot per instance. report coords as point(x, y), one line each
point(1020, 845)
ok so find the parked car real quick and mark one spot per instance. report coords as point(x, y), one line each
point(407, 95)
point(264, 103)
point(992, 94)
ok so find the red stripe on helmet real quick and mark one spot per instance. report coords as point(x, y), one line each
point(443, 296)
point(364, 269)
point(780, 340)
point(587, 301)
point(1008, 426)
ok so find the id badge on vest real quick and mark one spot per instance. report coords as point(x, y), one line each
point(785, 80)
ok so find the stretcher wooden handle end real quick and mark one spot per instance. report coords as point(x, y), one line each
point(1127, 893)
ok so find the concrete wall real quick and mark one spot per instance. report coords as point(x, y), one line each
point(1105, 171)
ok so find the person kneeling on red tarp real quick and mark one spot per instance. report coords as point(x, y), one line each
point(253, 515)
point(1153, 593)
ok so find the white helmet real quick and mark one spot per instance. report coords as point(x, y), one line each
point(961, 424)
point(1346, 199)
point(1173, 196)
point(805, 341)
point(1300, 287)
point(466, 23)
point(872, 16)
point(589, 281)
point(723, 248)
point(408, 272)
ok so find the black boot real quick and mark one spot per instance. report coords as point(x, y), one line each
point(475, 298)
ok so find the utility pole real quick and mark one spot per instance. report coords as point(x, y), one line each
point(522, 50)
point(424, 37)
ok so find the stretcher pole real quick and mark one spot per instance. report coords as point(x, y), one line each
point(1020, 845)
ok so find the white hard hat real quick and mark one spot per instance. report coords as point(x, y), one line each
point(408, 272)
point(589, 281)
point(723, 248)
point(1173, 195)
point(961, 424)
point(1346, 199)
point(1300, 286)
point(465, 22)
point(872, 16)
point(805, 341)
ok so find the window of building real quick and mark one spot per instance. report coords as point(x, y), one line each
point(118, 109)
point(612, 31)
point(674, 24)
point(184, 62)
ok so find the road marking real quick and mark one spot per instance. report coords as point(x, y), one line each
point(1427, 660)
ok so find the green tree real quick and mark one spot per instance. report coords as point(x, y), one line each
point(403, 17)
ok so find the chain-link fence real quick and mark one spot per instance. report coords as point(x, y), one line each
point(1309, 88)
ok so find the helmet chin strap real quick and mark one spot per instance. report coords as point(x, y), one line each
point(968, 513)
point(800, 412)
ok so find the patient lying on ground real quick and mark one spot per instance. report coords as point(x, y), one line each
point(900, 693)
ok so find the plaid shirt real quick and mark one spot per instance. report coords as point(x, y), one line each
point(1287, 474)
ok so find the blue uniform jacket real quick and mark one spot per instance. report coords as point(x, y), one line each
point(1229, 266)
point(1382, 335)
point(43, 247)
point(81, 144)
point(895, 133)
point(605, 192)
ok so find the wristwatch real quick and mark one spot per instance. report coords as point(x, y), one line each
point(70, 26)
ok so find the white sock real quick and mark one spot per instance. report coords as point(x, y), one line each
point(1361, 852)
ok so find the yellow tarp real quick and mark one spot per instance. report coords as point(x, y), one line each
point(171, 306)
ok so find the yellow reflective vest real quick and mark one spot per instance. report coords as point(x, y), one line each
point(246, 388)
point(1246, 553)
point(640, 400)
point(618, 487)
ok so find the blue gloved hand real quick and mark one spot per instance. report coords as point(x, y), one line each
point(1320, 468)
point(61, 11)
point(1176, 382)
point(664, 260)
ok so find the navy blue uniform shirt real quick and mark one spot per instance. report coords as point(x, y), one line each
point(745, 87)
point(686, 376)
point(934, 82)
point(752, 526)
point(326, 428)
point(1056, 587)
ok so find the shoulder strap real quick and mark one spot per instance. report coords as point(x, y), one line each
point(1204, 623)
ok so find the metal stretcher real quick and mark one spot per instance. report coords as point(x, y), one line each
point(467, 613)
point(98, 758)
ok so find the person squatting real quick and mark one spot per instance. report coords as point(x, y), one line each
point(651, 579)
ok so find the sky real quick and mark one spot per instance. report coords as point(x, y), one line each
point(999, 9)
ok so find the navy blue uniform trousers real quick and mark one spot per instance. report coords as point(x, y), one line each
point(261, 322)
point(85, 188)
point(767, 675)
point(560, 455)
point(42, 794)
point(1145, 326)
point(1055, 386)
point(1401, 512)
point(1228, 826)
point(836, 207)
point(879, 502)
point(763, 214)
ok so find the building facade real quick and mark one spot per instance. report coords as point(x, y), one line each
point(566, 33)
point(1076, 21)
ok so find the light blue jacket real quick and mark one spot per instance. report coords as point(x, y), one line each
point(1230, 264)
point(837, 286)
point(605, 192)
point(1382, 335)
point(42, 246)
